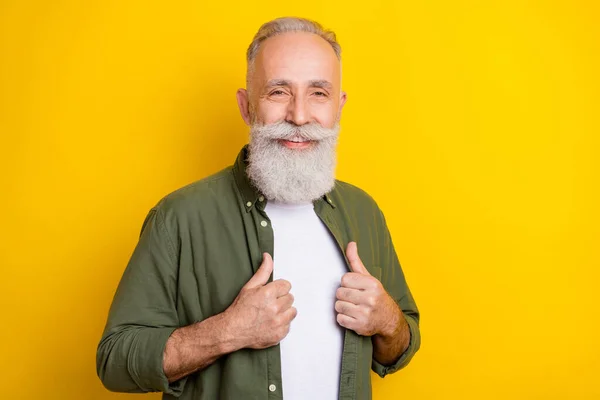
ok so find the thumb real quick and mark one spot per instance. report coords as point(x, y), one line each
point(261, 276)
point(355, 263)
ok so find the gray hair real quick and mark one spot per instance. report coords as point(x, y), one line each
point(284, 25)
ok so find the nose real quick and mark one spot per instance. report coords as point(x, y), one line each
point(298, 112)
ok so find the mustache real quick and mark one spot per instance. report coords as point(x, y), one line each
point(285, 131)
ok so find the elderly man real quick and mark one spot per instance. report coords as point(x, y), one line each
point(269, 279)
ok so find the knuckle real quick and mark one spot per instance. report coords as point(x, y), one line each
point(282, 285)
point(346, 309)
point(346, 279)
point(278, 320)
point(371, 301)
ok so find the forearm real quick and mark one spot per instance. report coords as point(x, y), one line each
point(390, 344)
point(196, 346)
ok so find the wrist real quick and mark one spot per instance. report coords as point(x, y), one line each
point(230, 334)
point(393, 321)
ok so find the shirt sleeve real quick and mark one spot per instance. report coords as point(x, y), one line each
point(395, 284)
point(142, 316)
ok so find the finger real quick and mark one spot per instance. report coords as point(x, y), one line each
point(285, 302)
point(350, 295)
point(261, 277)
point(355, 263)
point(355, 280)
point(290, 314)
point(347, 322)
point(347, 308)
point(280, 287)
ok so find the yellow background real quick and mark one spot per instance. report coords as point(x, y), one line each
point(473, 123)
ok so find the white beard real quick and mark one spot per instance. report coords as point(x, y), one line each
point(292, 175)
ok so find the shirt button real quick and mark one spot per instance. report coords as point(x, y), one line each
point(272, 388)
point(261, 198)
point(263, 223)
point(248, 204)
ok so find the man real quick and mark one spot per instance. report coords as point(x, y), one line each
point(269, 279)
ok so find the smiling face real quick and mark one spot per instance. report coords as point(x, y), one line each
point(296, 78)
point(293, 105)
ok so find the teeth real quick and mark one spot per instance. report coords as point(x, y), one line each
point(297, 140)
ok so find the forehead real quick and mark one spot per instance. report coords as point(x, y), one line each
point(297, 57)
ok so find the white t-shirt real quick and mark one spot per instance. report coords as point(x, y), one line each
point(307, 255)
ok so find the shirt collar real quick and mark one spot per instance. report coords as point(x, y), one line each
point(250, 194)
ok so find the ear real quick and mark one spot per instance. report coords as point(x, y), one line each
point(244, 105)
point(343, 98)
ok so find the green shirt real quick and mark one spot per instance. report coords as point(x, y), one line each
point(198, 246)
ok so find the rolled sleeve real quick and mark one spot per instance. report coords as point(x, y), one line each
point(413, 346)
point(395, 284)
point(145, 363)
point(131, 360)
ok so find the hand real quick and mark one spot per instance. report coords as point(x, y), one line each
point(261, 314)
point(362, 303)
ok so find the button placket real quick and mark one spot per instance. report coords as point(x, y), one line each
point(264, 232)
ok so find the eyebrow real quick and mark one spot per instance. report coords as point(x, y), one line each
point(278, 82)
point(321, 83)
point(315, 83)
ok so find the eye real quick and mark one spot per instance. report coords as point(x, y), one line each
point(320, 94)
point(277, 92)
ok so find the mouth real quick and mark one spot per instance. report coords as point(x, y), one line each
point(297, 143)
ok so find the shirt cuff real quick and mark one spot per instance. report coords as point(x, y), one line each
point(145, 362)
point(413, 346)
